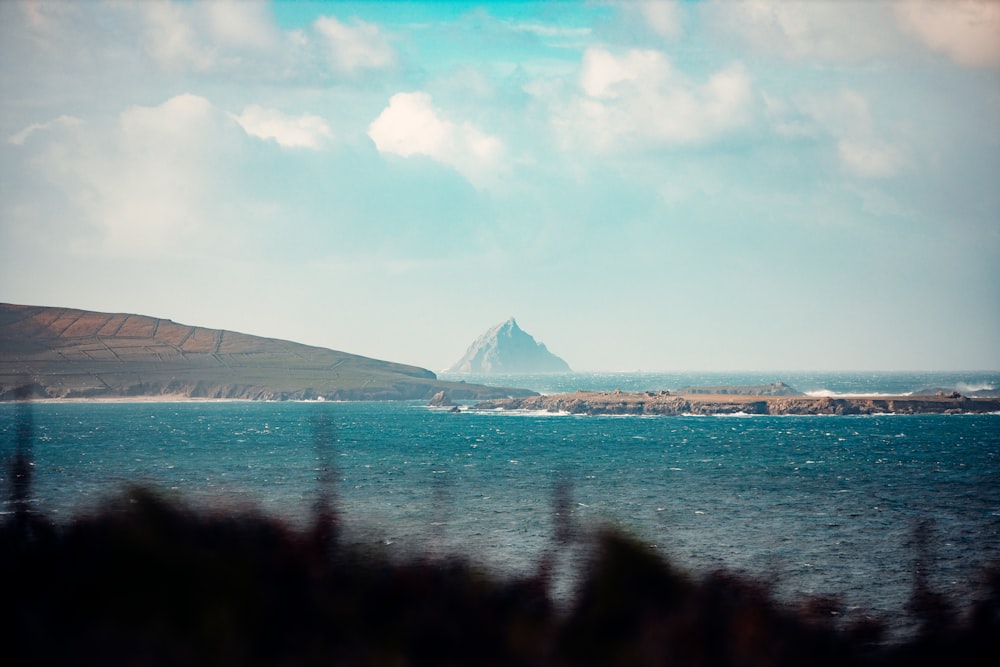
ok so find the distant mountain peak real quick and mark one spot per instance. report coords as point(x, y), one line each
point(506, 348)
point(508, 327)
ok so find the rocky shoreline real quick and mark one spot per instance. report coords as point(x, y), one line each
point(667, 403)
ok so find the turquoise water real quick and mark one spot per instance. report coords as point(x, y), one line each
point(817, 505)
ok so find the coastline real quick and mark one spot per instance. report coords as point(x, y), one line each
point(176, 391)
point(181, 398)
point(678, 404)
point(162, 398)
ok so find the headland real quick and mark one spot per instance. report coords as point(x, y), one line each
point(68, 354)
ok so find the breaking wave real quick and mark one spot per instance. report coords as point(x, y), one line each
point(969, 387)
point(826, 393)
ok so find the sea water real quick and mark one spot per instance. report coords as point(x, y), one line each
point(817, 505)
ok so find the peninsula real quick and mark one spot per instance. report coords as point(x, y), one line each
point(733, 402)
point(64, 353)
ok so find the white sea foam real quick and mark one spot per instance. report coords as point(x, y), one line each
point(969, 387)
point(522, 413)
point(826, 393)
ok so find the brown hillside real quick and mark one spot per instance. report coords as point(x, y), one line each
point(69, 353)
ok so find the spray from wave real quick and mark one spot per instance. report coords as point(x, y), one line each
point(970, 387)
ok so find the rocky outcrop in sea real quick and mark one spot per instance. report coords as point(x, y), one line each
point(506, 348)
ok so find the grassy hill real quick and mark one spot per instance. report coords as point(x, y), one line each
point(67, 353)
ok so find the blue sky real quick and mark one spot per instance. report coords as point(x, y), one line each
point(661, 186)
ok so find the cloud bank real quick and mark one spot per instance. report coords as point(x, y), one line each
point(652, 169)
point(637, 100)
point(304, 131)
point(967, 31)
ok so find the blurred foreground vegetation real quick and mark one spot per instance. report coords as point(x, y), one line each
point(149, 582)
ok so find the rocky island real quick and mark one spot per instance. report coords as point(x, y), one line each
point(506, 348)
point(734, 401)
point(64, 353)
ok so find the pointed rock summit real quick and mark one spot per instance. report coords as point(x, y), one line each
point(506, 348)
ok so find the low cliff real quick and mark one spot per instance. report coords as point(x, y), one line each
point(664, 403)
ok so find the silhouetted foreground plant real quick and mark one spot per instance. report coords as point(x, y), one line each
point(147, 582)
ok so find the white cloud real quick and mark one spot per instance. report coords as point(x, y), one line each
point(842, 113)
point(662, 16)
point(662, 19)
point(603, 73)
point(548, 30)
point(118, 46)
point(967, 31)
point(171, 38)
point(227, 36)
point(819, 29)
point(181, 123)
point(846, 117)
point(355, 47)
point(156, 181)
point(242, 23)
point(410, 125)
point(637, 99)
point(155, 189)
point(19, 138)
point(785, 119)
point(869, 158)
point(305, 131)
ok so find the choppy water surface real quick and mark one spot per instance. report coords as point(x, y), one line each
point(820, 505)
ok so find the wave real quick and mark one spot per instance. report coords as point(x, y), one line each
point(969, 387)
point(520, 412)
point(826, 393)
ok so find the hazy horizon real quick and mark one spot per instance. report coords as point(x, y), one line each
point(661, 186)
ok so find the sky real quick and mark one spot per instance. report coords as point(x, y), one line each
point(723, 185)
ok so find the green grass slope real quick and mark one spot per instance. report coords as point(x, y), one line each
point(66, 353)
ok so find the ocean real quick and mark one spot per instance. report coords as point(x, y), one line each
point(816, 506)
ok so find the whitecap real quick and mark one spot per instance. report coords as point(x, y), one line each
point(520, 413)
point(826, 393)
point(970, 387)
